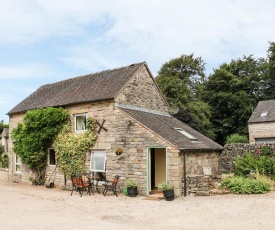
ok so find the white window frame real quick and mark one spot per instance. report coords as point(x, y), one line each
point(49, 156)
point(75, 123)
point(17, 162)
point(94, 155)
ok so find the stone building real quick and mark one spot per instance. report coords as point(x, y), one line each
point(131, 112)
point(261, 124)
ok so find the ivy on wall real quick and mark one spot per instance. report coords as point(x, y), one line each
point(71, 148)
point(35, 135)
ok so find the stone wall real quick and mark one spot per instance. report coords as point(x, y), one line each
point(199, 185)
point(195, 162)
point(142, 91)
point(261, 130)
point(231, 151)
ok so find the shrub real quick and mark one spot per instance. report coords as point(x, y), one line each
point(244, 165)
point(165, 186)
point(242, 185)
point(131, 183)
point(266, 151)
point(263, 164)
point(4, 160)
point(236, 138)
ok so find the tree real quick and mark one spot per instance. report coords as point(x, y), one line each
point(270, 79)
point(2, 126)
point(35, 135)
point(181, 80)
point(233, 91)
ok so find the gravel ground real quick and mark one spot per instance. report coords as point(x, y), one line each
point(36, 207)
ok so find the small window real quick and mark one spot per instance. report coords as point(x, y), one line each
point(51, 157)
point(264, 114)
point(184, 133)
point(18, 164)
point(98, 159)
point(80, 122)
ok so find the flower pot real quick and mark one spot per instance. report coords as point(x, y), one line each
point(168, 195)
point(132, 191)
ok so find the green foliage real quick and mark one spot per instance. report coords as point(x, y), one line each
point(236, 138)
point(232, 92)
point(265, 165)
point(244, 165)
point(165, 186)
point(266, 151)
point(34, 136)
point(71, 149)
point(181, 80)
point(4, 160)
point(2, 126)
point(2, 150)
point(131, 183)
point(242, 185)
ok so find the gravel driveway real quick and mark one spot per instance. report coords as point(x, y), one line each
point(36, 207)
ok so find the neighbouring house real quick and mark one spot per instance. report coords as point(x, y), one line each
point(261, 124)
point(131, 112)
point(5, 138)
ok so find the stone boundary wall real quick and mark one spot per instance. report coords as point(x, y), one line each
point(231, 151)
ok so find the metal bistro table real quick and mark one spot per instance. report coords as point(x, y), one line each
point(95, 181)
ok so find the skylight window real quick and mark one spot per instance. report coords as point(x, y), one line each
point(188, 135)
point(264, 114)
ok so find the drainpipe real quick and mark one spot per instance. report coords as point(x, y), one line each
point(184, 171)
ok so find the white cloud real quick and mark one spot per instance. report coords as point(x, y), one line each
point(25, 71)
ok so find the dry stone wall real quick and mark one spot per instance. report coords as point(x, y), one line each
point(231, 151)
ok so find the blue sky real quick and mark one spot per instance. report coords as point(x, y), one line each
point(45, 41)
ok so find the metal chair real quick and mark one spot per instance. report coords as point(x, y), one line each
point(100, 181)
point(111, 186)
point(81, 183)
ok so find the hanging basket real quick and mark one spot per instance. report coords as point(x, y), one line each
point(118, 151)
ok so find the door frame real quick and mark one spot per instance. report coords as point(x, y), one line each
point(148, 166)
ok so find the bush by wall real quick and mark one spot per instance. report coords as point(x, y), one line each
point(242, 185)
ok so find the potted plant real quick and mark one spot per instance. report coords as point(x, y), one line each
point(131, 186)
point(118, 151)
point(167, 189)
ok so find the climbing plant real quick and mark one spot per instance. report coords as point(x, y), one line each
point(33, 137)
point(71, 148)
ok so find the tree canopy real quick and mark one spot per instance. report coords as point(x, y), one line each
point(181, 81)
point(218, 105)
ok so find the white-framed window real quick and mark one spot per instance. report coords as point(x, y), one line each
point(18, 164)
point(80, 122)
point(98, 161)
point(51, 157)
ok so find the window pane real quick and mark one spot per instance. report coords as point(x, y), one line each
point(80, 121)
point(98, 161)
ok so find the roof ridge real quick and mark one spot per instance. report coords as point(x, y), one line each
point(95, 73)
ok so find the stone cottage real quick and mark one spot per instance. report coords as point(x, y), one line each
point(131, 112)
point(261, 124)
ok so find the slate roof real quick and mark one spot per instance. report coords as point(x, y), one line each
point(263, 106)
point(164, 126)
point(99, 86)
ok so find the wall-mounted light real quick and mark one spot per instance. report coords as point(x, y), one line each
point(128, 123)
